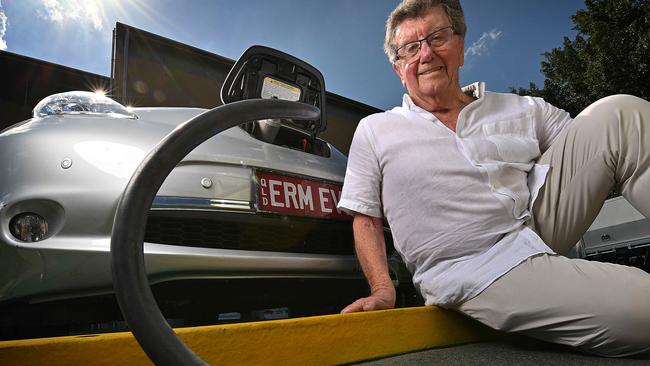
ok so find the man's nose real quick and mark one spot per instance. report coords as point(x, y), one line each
point(426, 53)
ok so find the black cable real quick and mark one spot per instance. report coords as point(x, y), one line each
point(130, 281)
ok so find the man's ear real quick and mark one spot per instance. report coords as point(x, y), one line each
point(399, 74)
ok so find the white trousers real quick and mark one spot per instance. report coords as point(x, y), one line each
point(597, 307)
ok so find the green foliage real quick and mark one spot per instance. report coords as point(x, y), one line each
point(610, 55)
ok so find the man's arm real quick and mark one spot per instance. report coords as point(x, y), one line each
point(371, 251)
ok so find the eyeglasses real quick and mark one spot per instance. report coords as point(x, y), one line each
point(435, 40)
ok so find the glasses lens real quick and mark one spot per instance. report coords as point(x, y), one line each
point(439, 38)
point(409, 50)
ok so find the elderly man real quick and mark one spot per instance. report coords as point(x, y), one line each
point(481, 190)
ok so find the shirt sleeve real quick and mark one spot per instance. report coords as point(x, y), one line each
point(362, 185)
point(550, 122)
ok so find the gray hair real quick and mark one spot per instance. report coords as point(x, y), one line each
point(412, 9)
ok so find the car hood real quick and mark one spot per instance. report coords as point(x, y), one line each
point(120, 144)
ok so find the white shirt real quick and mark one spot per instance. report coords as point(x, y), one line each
point(456, 202)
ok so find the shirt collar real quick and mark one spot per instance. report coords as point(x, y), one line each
point(477, 90)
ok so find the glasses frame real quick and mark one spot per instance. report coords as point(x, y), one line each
point(428, 39)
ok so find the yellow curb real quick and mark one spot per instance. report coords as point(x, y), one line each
point(320, 340)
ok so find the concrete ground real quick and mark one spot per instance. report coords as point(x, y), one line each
point(507, 351)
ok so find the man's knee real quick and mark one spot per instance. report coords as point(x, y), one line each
point(616, 109)
point(617, 122)
point(618, 101)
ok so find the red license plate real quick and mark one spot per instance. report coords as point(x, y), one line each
point(297, 196)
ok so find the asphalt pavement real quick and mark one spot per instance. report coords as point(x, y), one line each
point(506, 351)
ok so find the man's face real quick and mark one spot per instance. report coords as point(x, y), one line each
point(432, 72)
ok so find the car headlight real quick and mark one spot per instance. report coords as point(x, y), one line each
point(81, 102)
point(28, 227)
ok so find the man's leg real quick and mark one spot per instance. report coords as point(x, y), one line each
point(598, 307)
point(608, 144)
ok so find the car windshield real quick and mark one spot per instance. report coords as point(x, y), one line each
point(81, 102)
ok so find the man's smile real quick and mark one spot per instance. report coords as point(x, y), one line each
point(431, 70)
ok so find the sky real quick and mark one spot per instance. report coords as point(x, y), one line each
point(342, 38)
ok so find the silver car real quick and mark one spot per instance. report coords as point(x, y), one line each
point(257, 201)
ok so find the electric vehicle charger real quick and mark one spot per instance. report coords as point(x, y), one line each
point(132, 289)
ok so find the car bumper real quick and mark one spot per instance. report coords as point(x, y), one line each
point(72, 267)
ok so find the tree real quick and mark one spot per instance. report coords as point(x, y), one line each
point(609, 55)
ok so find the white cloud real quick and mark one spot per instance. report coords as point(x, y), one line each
point(83, 12)
point(3, 28)
point(481, 46)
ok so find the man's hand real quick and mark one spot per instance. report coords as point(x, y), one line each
point(379, 300)
point(371, 252)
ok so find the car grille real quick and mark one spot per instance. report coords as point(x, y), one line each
point(277, 234)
